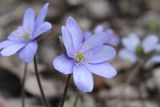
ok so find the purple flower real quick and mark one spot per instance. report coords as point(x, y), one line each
point(133, 47)
point(111, 38)
point(84, 57)
point(23, 39)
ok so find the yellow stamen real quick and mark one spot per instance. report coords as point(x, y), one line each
point(79, 57)
point(26, 36)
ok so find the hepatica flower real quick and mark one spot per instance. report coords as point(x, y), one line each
point(110, 39)
point(135, 49)
point(84, 57)
point(23, 39)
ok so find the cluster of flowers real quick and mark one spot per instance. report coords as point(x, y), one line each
point(86, 52)
point(136, 50)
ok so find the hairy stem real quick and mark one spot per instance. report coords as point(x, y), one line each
point(23, 83)
point(76, 100)
point(65, 91)
point(39, 83)
point(131, 77)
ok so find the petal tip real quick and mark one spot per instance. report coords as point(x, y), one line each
point(29, 10)
point(114, 73)
point(62, 64)
point(3, 53)
point(47, 4)
point(85, 89)
point(62, 28)
point(70, 19)
point(113, 51)
point(54, 63)
point(50, 26)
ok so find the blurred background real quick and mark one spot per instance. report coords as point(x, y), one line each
point(141, 17)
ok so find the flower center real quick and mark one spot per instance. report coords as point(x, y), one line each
point(79, 57)
point(139, 50)
point(26, 36)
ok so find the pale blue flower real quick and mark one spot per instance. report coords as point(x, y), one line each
point(111, 38)
point(84, 57)
point(133, 46)
point(23, 39)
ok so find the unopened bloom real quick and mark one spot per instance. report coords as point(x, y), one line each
point(135, 49)
point(23, 39)
point(111, 38)
point(84, 57)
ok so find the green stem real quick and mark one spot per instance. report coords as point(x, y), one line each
point(39, 83)
point(65, 91)
point(130, 78)
point(76, 100)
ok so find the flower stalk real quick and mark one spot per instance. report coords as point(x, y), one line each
point(23, 83)
point(65, 91)
point(39, 83)
point(131, 77)
point(76, 100)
